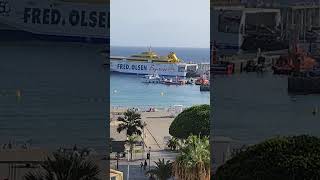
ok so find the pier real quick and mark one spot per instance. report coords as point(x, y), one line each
point(305, 85)
point(241, 60)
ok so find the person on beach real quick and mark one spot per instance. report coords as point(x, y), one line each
point(75, 148)
point(152, 177)
point(145, 165)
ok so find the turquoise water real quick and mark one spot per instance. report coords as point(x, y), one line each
point(129, 91)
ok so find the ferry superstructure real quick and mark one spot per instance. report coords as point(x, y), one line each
point(150, 63)
point(232, 25)
point(55, 20)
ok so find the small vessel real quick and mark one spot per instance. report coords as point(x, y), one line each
point(297, 60)
point(152, 78)
point(222, 68)
point(204, 87)
point(190, 81)
point(148, 62)
point(304, 82)
point(202, 80)
point(174, 81)
point(219, 67)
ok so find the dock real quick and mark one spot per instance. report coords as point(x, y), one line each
point(304, 85)
point(203, 68)
point(240, 61)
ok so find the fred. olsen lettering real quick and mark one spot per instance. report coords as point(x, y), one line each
point(75, 17)
point(41, 16)
point(95, 18)
point(123, 66)
point(139, 67)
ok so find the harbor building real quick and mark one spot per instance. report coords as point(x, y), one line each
point(235, 22)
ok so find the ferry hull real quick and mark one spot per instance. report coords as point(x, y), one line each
point(144, 68)
point(54, 20)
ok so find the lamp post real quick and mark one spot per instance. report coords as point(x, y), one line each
point(149, 155)
point(128, 149)
point(143, 139)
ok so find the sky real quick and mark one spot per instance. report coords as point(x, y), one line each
point(160, 23)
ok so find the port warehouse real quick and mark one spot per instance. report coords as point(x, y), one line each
point(300, 16)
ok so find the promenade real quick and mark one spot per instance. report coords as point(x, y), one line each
point(156, 134)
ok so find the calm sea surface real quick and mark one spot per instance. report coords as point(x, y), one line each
point(129, 91)
point(250, 107)
point(53, 94)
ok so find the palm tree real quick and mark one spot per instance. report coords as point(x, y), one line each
point(65, 166)
point(173, 144)
point(163, 170)
point(130, 122)
point(194, 159)
point(131, 141)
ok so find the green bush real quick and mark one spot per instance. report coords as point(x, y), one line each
point(284, 158)
point(192, 121)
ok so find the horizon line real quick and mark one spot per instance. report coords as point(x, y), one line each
point(160, 46)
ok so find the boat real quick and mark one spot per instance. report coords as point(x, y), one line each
point(201, 80)
point(304, 83)
point(204, 87)
point(191, 81)
point(297, 59)
point(222, 68)
point(55, 20)
point(174, 81)
point(152, 78)
point(219, 67)
point(149, 62)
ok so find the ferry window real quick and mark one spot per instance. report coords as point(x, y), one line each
point(181, 68)
point(228, 22)
point(192, 68)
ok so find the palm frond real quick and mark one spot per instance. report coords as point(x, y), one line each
point(65, 166)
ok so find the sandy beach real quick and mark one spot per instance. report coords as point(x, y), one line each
point(156, 131)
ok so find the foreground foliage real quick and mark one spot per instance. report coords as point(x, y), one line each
point(131, 141)
point(174, 144)
point(284, 158)
point(162, 171)
point(192, 121)
point(193, 163)
point(65, 166)
point(131, 122)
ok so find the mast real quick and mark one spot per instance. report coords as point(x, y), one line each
point(214, 53)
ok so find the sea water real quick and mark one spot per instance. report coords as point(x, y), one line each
point(251, 107)
point(52, 95)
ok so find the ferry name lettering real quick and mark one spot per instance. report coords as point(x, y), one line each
point(152, 68)
point(76, 18)
point(133, 67)
point(139, 67)
point(123, 66)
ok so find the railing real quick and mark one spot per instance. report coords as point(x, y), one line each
point(143, 108)
point(153, 137)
